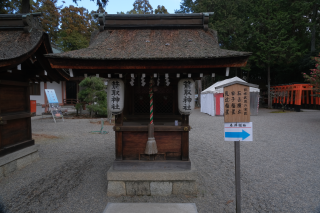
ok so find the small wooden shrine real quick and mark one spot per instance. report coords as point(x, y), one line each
point(23, 45)
point(146, 57)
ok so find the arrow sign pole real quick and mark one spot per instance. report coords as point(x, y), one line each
point(237, 175)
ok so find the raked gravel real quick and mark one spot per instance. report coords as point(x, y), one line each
point(280, 169)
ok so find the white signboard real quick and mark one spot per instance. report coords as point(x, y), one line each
point(51, 95)
point(238, 131)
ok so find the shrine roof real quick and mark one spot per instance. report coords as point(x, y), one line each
point(16, 43)
point(23, 43)
point(152, 44)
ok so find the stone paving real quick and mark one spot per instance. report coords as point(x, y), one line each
point(280, 170)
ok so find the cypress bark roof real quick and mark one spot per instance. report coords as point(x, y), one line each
point(152, 44)
point(17, 43)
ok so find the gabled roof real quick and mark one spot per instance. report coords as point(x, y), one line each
point(152, 44)
point(17, 43)
point(24, 43)
point(160, 41)
point(218, 86)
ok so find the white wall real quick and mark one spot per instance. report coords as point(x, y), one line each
point(39, 98)
point(53, 85)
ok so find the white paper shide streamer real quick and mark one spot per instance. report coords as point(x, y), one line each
point(115, 94)
point(143, 80)
point(167, 79)
point(186, 96)
point(132, 80)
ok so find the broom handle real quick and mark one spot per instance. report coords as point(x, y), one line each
point(151, 101)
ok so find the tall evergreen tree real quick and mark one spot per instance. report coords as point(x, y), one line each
point(76, 27)
point(10, 6)
point(143, 5)
point(161, 10)
point(271, 32)
point(50, 18)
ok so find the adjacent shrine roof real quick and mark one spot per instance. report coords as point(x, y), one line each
point(23, 43)
point(152, 44)
point(18, 43)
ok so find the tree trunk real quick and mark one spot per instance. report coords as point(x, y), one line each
point(25, 6)
point(248, 76)
point(199, 93)
point(236, 74)
point(313, 28)
point(269, 95)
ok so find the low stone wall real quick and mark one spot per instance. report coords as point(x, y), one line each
point(17, 160)
point(159, 183)
point(139, 188)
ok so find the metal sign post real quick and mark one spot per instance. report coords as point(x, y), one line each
point(237, 175)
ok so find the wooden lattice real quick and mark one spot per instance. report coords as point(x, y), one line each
point(162, 99)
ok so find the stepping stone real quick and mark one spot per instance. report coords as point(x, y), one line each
point(151, 208)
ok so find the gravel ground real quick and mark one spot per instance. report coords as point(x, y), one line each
point(280, 170)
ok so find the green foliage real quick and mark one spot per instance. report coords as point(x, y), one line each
point(143, 5)
point(133, 12)
point(186, 6)
point(314, 77)
point(51, 16)
point(73, 41)
point(161, 10)
point(94, 94)
point(77, 24)
point(100, 3)
point(278, 33)
point(10, 6)
point(78, 107)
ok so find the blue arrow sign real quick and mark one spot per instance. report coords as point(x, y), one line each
point(242, 134)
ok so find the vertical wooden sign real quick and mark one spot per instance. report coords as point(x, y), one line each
point(236, 103)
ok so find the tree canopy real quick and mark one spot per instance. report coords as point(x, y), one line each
point(278, 33)
point(161, 10)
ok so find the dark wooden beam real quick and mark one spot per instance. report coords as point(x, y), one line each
point(45, 64)
point(64, 63)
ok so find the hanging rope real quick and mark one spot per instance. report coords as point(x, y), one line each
point(151, 101)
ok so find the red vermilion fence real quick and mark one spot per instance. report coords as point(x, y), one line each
point(296, 94)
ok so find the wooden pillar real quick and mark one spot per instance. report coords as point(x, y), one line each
point(28, 110)
point(62, 91)
point(118, 123)
point(45, 97)
point(199, 93)
point(185, 139)
point(292, 91)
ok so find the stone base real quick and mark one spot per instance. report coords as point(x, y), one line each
point(17, 160)
point(152, 182)
point(151, 207)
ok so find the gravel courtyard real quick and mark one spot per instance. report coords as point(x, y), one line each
point(280, 169)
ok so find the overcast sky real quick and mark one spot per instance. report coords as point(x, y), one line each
point(115, 6)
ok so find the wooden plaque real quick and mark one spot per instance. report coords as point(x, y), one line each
point(236, 103)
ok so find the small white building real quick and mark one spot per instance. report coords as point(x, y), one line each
point(212, 101)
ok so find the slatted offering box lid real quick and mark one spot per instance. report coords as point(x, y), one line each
point(237, 101)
